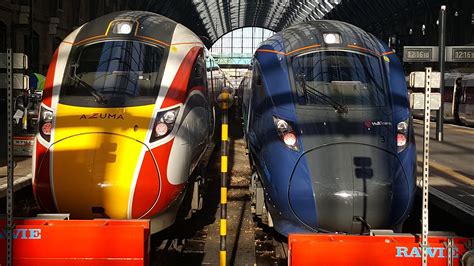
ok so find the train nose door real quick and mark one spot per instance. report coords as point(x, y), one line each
point(351, 167)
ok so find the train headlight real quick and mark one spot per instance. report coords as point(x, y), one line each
point(161, 129)
point(122, 27)
point(289, 139)
point(402, 135)
point(281, 125)
point(286, 133)
point(46, 129)
point(169, 117)
point(164, 124)
point(45, 123)
point(47, 116)
point(332, 38)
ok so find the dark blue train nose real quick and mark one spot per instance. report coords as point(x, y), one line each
point(351, 183)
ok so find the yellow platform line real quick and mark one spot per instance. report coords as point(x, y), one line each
point(467, 131)
point(449, 171)
point(449, 127)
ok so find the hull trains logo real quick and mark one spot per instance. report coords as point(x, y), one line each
point(369, 124)
point(102, 116)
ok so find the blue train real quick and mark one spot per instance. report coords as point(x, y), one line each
point(329, 131)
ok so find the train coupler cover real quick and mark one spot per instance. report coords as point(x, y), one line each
point(77, 242)
point(396, 249)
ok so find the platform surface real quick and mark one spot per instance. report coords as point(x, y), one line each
point(451, 167)
point(22, 174)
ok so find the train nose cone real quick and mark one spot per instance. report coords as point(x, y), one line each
point(351, 182)
point(92, 174)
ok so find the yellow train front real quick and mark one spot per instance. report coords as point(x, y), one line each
point(125, 119)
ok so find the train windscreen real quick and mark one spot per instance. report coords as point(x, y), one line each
point(339, 78)
point(113, 74)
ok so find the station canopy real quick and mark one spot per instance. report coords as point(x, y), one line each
point(211, 19)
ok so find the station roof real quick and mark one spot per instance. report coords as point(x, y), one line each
point(211, 19)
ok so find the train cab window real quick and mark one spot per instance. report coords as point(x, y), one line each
point(348, 78)
point(258, 90)
point(115, 73)
point(198, 75)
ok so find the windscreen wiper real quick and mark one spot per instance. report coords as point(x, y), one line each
point(98, 97)
point(342, 109)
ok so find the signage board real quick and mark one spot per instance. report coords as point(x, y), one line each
point(417, 101)
point(20, 81)
point(420, 54)
point(20, 61)
point(417, 79)
point(460, 53)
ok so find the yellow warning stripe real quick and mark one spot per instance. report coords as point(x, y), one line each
point(450, 172)
point(448, 126)
point(466, 131)
point(225, 132)
point(223, 227)
point(223, 195)
point(224, 164)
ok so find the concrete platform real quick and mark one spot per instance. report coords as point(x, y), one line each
point(451, 169)
point(22, 174)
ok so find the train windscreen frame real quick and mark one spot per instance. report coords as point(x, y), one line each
point(119, 73)
point(339, 78)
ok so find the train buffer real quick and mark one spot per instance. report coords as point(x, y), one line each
point(384, 248)
point(53, 240)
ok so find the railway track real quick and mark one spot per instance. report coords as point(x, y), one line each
point(270, 248)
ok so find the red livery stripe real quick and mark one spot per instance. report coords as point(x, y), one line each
point(177, 91)
point(41, 186)
point(49, 83)
point(169, 192)
point(147, 188)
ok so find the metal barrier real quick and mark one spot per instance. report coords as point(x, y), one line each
point(79, 242)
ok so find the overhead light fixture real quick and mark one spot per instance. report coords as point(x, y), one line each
point(332, 38)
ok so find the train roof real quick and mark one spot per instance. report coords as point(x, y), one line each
point(147, 25)
point(451, 77)
point(468, 80)
point(312, 34)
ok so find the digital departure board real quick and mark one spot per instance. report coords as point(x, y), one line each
point(460, 53)
point(420, 54)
